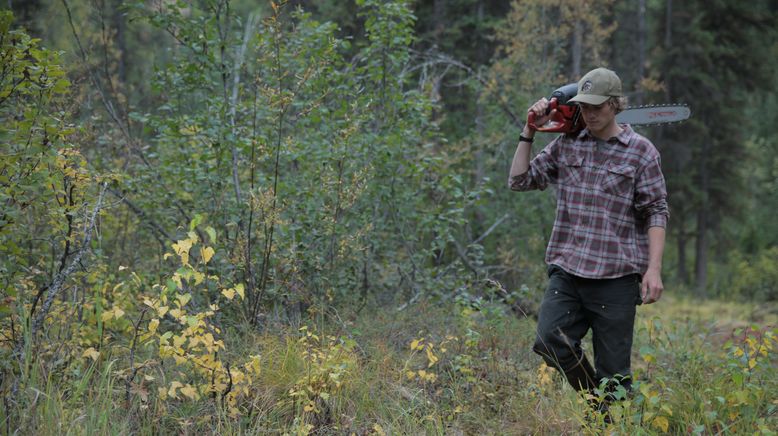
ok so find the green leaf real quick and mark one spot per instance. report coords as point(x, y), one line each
point(211, 234)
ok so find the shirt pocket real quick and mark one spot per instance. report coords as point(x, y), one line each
point(620, 180)
point(573, 170)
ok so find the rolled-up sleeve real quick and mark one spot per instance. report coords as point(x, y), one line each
point(651, 194)
point(543, 170)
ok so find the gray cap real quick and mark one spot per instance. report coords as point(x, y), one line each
point(597, 86)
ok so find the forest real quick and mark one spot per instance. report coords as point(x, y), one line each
point(292, 217)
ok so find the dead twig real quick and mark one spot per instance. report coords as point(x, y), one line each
point(134, 371)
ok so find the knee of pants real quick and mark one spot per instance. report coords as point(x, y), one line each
point(555, 349)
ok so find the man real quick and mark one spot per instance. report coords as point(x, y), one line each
point(605, 252)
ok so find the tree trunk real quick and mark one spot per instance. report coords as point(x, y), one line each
point(576, 49)
point(481, 57)
point(641, 49)
point(701, 255)
point(120, 24)
point(438, 19)
point(683, 272)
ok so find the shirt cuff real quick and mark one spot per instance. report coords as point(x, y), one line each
point(658, 220)
point(520, 182)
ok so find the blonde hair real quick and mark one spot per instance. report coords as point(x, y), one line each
point(620, 103)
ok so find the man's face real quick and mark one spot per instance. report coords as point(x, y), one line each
point(599, 116)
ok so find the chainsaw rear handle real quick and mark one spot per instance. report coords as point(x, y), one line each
point(567, 117)
point(555, 124)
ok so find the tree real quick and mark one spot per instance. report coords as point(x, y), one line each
point(712, 49)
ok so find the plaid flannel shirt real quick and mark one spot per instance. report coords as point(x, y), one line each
point(608, 194)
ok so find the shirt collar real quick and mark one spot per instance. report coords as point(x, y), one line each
point(623, 137)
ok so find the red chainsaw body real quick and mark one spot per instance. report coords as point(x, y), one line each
point(567, 118)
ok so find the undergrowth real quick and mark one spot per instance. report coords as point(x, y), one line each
point(434, 367)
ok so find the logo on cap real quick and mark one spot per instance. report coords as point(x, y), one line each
point(586, 86)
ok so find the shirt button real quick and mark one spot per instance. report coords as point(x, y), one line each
point(603, 307)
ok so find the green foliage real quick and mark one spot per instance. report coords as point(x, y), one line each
point(754, 278)
point(45, 185)
point(307, 222)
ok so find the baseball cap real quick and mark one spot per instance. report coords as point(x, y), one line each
point(598, 85)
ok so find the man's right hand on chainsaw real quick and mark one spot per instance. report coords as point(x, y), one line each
point(541, 114)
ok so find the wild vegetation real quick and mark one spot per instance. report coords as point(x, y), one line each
point(291, 217)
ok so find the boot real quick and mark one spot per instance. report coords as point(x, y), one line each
point(581, 375)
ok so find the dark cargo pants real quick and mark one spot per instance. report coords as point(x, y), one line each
point(571, 306)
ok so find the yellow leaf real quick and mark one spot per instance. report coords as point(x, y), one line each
point(162, 393)
point(738, 352)
point(229, 293)
point(253, 365)
point(378, 430)
point(117, 312)
point(153, 324)
point(206, 253)
point(190, 392)
point(173, 386)
point(207, 340)
point(751, 363)
point(415, 345)
point(91, 353)
point(192, 238)
point(239, 289)
point(431, 357)
point(198, 277)
point(661, 423)
point(106, 315)
point(177, 314)
point(182, 249)
point(178, 341)
point(182, 299)
point(162, 310)
point(308, 407)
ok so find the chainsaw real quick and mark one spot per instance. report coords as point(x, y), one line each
point(568, 119)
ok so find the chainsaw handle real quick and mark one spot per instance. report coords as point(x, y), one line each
point(555, 124)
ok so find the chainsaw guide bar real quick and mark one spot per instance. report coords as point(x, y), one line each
point(654, 114)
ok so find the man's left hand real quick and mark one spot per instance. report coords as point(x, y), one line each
point(651, 288)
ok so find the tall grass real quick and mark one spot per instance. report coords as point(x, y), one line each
point(483, 380)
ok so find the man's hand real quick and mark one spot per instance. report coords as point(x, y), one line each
point(539, 108)
point(651, 288)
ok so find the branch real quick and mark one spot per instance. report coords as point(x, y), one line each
point(103, 97)
point(160, 232)
point(234, 102)
point(434, 58)
point(128, 383)
point(490, 229)
point(61, 276)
